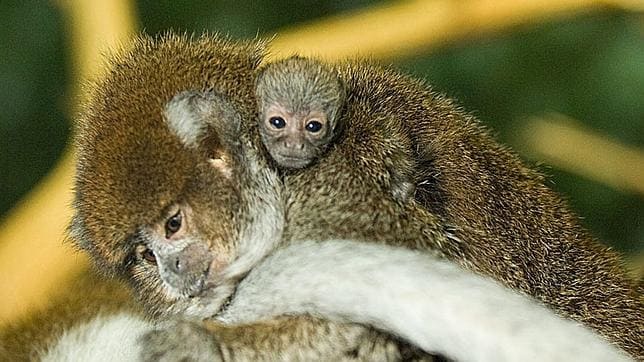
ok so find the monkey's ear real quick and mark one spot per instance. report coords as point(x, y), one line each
point(190, 114)
point(186, 116)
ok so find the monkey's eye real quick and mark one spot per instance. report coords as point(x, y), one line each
point(314, 126)
point(277, 122)
point(148, 255)
point(173, 224)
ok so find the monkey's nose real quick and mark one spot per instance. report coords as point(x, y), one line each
point(193, 259)
point(187, 269)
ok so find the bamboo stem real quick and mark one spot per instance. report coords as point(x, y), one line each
point(563, 143)
point(405, 28)
point(33, 259)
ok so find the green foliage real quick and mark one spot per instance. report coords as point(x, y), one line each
point(33, 103)
point(240, 19)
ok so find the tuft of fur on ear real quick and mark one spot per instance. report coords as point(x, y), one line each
point(189, 114)
point(186, 116)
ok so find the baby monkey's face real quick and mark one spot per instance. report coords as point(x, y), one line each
point(298, 102)
point(296, 138)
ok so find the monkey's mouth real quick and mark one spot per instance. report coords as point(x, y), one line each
point(225, 304)
point(219, 295)
point(293, 161)
point(222, 306)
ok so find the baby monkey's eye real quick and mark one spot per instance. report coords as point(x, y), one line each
point(314, 126)
point(148, 255)
point(173, 224)
point(277, 122)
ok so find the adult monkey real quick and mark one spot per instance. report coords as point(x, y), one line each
point(138, 90)
point(140, 137)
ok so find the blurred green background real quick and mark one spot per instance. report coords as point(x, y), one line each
point(589, 67)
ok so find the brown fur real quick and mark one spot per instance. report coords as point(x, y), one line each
point(501, 218)
point(476, 202)
point(126, 156)
point(510, 225)
point(131, 167)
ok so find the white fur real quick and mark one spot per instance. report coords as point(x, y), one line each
point(428, 301)
point(265, 215)
point(431, 302)
point(256, 240)
point(105, 338)
point(184, 120)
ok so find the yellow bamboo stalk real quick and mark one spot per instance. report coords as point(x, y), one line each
point(404, 28)
point(565, 144)
point(33, 260)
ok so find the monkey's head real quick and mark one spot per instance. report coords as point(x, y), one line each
point(162, 170)
point(299, 102)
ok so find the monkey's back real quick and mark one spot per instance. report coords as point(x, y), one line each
point(475, 202)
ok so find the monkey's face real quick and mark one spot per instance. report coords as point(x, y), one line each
point(177, 263)
point(184, 260)
point(169, 228)
point(298, 102)
point(161, 173)
point(296, 138)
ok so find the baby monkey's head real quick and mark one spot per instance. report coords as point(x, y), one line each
point(299, 102)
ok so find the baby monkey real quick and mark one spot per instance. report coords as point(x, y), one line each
point(299, 102)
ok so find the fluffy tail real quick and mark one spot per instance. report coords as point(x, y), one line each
point(428, 301)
